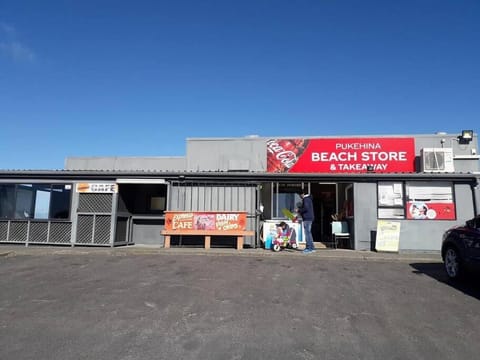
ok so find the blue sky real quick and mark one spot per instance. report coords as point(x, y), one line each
point(137, 78)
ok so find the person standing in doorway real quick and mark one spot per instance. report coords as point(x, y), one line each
point(307, 214)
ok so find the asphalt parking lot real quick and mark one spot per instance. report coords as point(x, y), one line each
point(193, 304)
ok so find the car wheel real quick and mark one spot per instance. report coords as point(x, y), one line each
point(453, 263)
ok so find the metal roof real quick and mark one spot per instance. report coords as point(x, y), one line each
point(250, 176)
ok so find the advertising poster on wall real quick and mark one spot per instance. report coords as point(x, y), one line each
point(270, 231)
point(388, 236)
point(427, 210)
point(430, 202)
point(341, 155)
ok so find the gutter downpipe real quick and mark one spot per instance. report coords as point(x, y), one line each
point(476, 196)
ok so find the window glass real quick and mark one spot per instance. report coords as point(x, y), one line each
point(7, 201)
point(390, 200)
point(430, 201)
point(143, 198)
point(385, 213)
point(60, 201)
point(35, 201)
point(286, 196)
point(24, 202)
point(157, 203)
point(42, 204)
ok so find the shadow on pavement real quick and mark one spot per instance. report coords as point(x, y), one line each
point(468, 285)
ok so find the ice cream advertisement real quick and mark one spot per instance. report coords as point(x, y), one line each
point(430, 211)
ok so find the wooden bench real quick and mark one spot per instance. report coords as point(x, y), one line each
point(240, 234)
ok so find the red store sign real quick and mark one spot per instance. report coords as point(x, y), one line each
point(341, 155)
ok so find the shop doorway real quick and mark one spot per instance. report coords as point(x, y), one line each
point(140, 211)
point(332, 202)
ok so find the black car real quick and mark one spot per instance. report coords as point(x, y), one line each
point(461, 249)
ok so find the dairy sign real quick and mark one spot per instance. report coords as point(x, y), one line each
point(197, 221)
point(341, 155)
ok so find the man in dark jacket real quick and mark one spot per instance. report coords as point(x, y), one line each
point(306, 211)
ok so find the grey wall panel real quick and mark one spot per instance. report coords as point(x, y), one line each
point(463, 199)
point(201, 198)
point(426, 235)
point(147, 232)
point(228, 201)
point(121, 230)
point(415, 235)
point(215, 197)
point(365, 214)
point(234, 154)
point(126, 163)
point(476, 195)
point(467, 165)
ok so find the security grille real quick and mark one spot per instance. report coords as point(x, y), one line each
point(3, 230)
point(38, 232)
point(95, 203)
point(93, 229)
point(18, 231)
point(60, 233)
point(102, 230)
point(84, 229)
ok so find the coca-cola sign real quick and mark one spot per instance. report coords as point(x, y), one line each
point(341, 155)
point(283, 154)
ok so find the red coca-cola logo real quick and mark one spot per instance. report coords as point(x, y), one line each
point(282, 154)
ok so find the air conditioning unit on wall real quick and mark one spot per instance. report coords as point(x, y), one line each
point(437, 160)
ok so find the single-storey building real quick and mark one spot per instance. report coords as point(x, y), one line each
point(397, 192)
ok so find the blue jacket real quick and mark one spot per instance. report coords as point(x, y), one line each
point(306, 211)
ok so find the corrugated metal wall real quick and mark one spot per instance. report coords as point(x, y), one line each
point(185, 196)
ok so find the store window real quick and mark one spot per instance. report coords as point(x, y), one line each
point(285, 197)
point(390, 200)
point(157, 203)
point(430, 201)
point(422, 200)
point(35, 201)
point(143, 199)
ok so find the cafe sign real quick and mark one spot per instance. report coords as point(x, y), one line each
point(109, 188)
point(194, 221)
